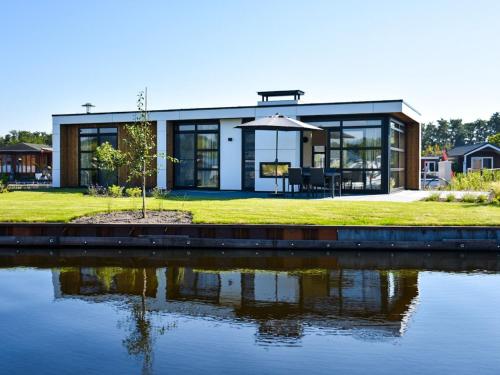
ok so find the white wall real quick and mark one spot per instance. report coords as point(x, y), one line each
point(56, 155)
point(307, 148)
point(161, 163)
point(265, 150)
point(230, 154)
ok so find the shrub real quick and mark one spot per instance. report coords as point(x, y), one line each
point(115, 191)
point(133, 192)
point(4, 178)
point(3, 187)
point(160, 193)
point(96, 190)
point(474, 181)
point(482, 198)
point(451, 197)
point(434, 197)
point(469, 198)
point(495, 190)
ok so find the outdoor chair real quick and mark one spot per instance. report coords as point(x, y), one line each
point(295, 178)
point(317, 180)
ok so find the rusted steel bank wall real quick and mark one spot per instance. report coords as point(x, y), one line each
point(248, 236)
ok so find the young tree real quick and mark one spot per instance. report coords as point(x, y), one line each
point(140, 154)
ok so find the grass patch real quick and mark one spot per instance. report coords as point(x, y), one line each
point(65, 205)
point(433, 197)
point(450, 197)
point(469, 198)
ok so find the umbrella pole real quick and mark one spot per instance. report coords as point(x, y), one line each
point(276, 167)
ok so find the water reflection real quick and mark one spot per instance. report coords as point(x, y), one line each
point(216, 311)
point(282, 303)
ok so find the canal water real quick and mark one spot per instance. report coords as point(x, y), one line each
point(249, 312)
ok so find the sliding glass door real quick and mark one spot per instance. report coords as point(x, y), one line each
point(196, 146)
point(352, 147)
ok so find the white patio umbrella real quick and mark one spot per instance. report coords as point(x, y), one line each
point(277, 123)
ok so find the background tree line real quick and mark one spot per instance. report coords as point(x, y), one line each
point(454, 132)
point(16, 136)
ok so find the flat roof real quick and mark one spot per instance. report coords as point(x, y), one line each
point(242, 107)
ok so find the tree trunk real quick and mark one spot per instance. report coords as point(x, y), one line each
point(144, 189)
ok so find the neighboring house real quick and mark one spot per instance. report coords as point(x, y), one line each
point(475, 157)
point(375, 145)
point(430, 164)
point(25, 161)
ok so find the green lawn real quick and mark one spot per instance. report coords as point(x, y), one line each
point(64, 205)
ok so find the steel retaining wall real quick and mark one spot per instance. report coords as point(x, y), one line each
point(248, 236)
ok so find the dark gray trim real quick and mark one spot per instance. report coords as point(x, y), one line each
point(386, 156)
point(266, 94)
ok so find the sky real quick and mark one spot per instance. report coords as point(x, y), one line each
point(442, 57)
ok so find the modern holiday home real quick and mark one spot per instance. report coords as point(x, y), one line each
point(374, 145)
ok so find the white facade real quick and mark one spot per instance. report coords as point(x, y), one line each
point(230, 152)
point(161, 145)
point(56, 155)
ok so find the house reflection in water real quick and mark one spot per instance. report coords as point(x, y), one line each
point(373, 304)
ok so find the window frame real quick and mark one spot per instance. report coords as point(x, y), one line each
point(262, 163)
point(427, 164)
point(85, 132)
point(339, 123)
point(354, 124)
point(196, 128)
point(482, 161)
point(400, 128)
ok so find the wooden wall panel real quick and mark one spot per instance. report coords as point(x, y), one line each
point(413, 156)
point(69, 156)
point(123, 171)
point(69, 153)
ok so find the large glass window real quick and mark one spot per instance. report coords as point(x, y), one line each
point(354, 147)
point(398, 157)
point(248, 159)
point(196, 147)
point(5, 163)
point(319, 156)
point(90, 138)
point(361, 155)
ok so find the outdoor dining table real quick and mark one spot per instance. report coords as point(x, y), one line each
point(330, 176)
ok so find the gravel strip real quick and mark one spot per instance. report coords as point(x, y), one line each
point(135, 217)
